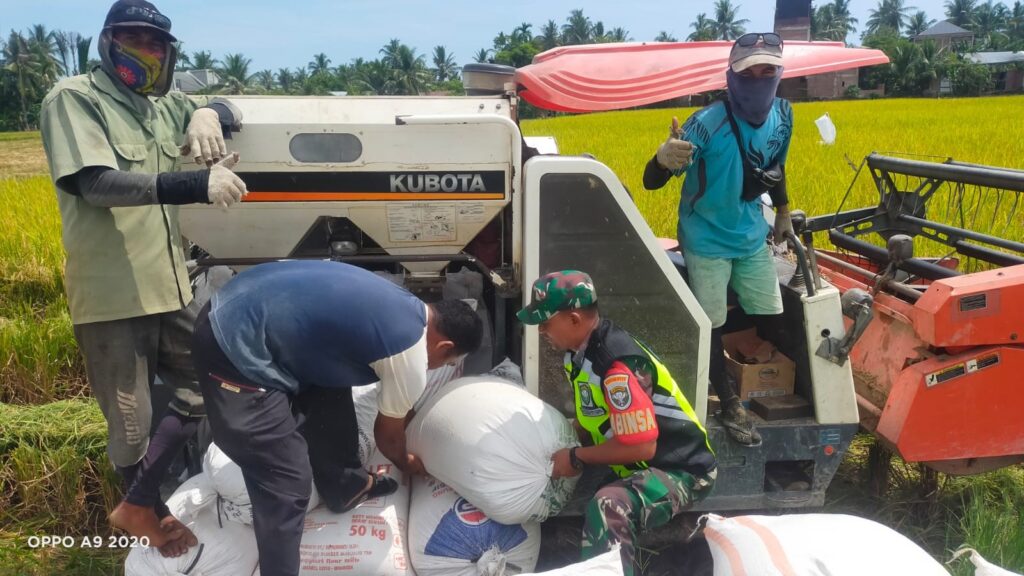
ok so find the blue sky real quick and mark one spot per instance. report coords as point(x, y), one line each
point(277, 34)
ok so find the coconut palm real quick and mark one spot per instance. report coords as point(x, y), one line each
point(264, 79)
point(376, 77)
point(445, 67)
point(961, 12)
point(578, 29)
point(203, 60)
point(234, 74)
point(703, 29)
point(918, 23)
point(892, 14)
point(24, 69)
point(664, 36)
point(727, 25)
point(482, 56)
point(410, 71)
point(550, 37)
point(285, 79)
point(320, 64)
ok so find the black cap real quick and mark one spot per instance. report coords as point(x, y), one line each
point(138, 13)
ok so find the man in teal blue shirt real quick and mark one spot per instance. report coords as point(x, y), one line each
point(732, 152)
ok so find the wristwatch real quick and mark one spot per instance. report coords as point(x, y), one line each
point(574, 459)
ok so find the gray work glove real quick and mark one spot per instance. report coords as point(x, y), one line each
point(204, 138)
point(674, 154)
point(225, 187)
point(783, 224)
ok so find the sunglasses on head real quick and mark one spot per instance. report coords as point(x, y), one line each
point(769, 38)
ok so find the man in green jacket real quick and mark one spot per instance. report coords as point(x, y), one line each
point(113, 138)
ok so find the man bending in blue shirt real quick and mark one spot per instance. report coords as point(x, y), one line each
point(731, 152)
point(294, 337)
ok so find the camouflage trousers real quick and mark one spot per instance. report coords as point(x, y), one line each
point(645, 500)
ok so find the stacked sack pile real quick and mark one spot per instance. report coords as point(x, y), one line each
point(487, 444)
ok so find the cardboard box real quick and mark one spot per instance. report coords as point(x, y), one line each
point(772, 374)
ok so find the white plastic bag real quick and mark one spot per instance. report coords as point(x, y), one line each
point(982, 567)
point(813, 545)
point(492, 442)
point(226, 478)
point(826, 128)
point(225, 548)
point(448, 536)
point(607, 564)
point(366, 541)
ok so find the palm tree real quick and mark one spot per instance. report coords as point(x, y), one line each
point(44, 49)
point(410, 72)
point(1015, 24)
point(20, 63)
point(82, 49)
point(889, 14)
point(549, 36)
point(990, 24)
point(961, 12)
point(285, 80)
point(301, 81)
point(918, 23)
point(264, 79)
point(390, 52)
point(726, 24)
point(703, 29)
point(203, 60)
point(664, 36)
point(521, 34)
point(376, 77)
point(65, 42)
point(184, 62)
point(320, 64)
point(234, 74)
point(832, 21)
point(482, 56)
point(445, 67)
point(578, 29)
point(618, 35)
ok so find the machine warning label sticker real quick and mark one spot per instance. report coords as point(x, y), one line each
point(422, 222)
point(472, 212)
point(955, 371)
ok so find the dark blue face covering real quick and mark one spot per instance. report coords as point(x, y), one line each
point(751, 98)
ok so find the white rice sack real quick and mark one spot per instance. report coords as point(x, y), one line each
point(813, 545)
point(492, 442)
point(448, 536)
point(225, 548)
point(366, 541)
point(226, 478)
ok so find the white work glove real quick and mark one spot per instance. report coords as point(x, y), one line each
point(204, 138)
point(225, 187)
point(674, 154)
point(783, 224)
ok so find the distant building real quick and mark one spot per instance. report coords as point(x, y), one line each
point(793, 22)
point(1005, 78)
point(193, 81)
point(945, 35)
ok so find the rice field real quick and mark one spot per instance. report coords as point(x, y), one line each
point(978, 130)
point(54, 477)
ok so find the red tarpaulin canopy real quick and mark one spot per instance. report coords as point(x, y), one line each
point(614, 76)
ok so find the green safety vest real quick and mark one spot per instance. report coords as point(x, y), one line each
point(676, 419)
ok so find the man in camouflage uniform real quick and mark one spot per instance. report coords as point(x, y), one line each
point(630, 415)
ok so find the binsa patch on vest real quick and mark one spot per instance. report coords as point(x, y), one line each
point(619, 395)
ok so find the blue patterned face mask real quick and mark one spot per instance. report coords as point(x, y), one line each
point(751, 98)
point(138, 69)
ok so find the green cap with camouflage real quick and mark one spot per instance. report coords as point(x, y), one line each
point(565, 290)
